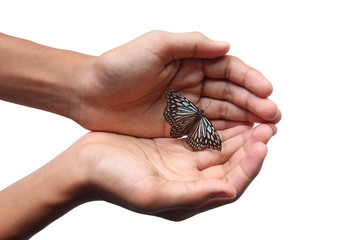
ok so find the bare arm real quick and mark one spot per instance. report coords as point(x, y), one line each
point(33, 202)
point(38, 76)
point(118, 90)
point(160, 177)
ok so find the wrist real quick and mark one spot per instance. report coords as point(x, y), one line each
point(41, 77)
point(33, 202)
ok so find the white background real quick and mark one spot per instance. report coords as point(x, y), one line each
point(310, 50)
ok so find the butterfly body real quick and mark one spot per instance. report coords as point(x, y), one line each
point(199, 114)
point(186, 119)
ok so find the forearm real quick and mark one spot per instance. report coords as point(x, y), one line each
point(41, 77)
point(33, 202)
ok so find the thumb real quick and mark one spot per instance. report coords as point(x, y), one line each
point(192, 194)
point(174, 46)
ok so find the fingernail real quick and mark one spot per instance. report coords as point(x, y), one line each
point(223, 196)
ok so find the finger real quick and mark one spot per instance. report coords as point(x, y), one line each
point(184, 213)
point(240, 97)
point(255, 150)
point(215, 164)
point(234, 150)
point(236, 71)
point(261, 133)
point(220, 109)
point(252, 164)
point(239, 176)
point(247, 162)
point(221, 125)
point(173, 46)
point(190, 194)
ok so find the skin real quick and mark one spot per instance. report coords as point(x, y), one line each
point(123, 91)
point(160, 177)
point(100, 93)
point(198, 69)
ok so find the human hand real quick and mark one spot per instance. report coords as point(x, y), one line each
point(161, 177)
point(164, 177)
point(124, 89)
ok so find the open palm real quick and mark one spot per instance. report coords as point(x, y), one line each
point(124, 91)
point(164, 177)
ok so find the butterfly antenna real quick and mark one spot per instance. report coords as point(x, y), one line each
point(207, 105)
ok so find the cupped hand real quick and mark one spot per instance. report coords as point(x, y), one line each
point(123, 90)
point(164, 177)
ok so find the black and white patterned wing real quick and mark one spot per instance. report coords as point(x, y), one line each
point(204, 135)
point(178, 108)
point(183, 128)
point(185, 119)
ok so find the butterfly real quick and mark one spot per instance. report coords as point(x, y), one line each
point(186, 119)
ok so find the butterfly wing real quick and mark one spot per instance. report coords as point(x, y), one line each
point(185, 119)
point(204, 135)
point(182, 128)
point(179, 113)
